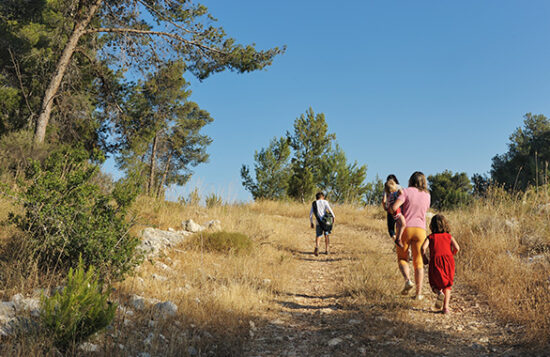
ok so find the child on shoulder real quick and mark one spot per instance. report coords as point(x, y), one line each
point(441, 269)
point(392, 191)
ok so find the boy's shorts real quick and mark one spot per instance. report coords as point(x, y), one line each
point(319, 231)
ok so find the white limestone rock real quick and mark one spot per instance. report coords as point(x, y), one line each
point(166, 309)
point(190, 226)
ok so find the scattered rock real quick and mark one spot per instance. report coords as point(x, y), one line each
point(166, 309)
point(511, 223)
point(143, 354)
point(149, 339)
point(31, 305)
point(137, 302)
point(155, 240)
point(214, 225)
point(191, 351)
point(7, 310)
point(159, 277)
point(88, 347)
point(163, 266)
point(354, 322)
point(252, 325)
point(335, 341)
point(191, 226)
point(277, 322)
point(266, 281)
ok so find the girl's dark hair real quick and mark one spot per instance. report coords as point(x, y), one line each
point(439, 224)
point(418, 180)
point(392, 177)
point(318, 195)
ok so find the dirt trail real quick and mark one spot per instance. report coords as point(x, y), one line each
point(316, 319)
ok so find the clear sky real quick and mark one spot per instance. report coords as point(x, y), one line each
point(404, 85)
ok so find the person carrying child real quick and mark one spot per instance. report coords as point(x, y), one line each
point(385, 204)
point(392, 191)
point(320, 208)
point(441, 269)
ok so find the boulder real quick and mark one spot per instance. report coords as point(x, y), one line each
point(7, 310)
point(190, 226)
point(155, 240)
point(166, 309)
point(88, 347)
point(137, 302)
point(31, 305)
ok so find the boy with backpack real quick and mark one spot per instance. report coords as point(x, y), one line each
point(324, 215)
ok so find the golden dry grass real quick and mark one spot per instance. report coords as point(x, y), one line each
point(505, 255)
point(218, 294)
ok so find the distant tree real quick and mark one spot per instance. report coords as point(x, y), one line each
point(312, 143)
point(340, 181)
point(374, 192)
point(481, 184)
point(272, 170)
point(449, 190)
point(160, 130)
point(526, 161)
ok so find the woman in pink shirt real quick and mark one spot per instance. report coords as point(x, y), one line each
point(414, 203)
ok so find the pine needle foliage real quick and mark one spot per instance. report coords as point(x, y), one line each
point(79, 311)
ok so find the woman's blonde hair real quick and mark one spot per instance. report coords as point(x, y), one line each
point(418, 180)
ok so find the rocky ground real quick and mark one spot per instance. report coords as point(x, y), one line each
point(316, 319)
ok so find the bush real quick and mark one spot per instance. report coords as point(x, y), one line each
point(67, 216)
point(213, 200)
point(224, 242)
point(79, 311)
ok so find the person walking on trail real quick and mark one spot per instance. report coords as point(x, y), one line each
point(441, 271)
point(391, 192)
point(385, 204)
point(414, 203)
point(320, 208)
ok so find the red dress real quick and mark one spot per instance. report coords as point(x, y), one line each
point(441, 270)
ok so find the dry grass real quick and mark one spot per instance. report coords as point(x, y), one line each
point(505, 255)
point(218, 294)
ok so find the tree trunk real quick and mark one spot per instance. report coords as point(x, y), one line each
point(164, 175)
point(151, 185)
point(61, 68)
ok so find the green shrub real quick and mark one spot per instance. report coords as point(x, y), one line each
point(79, 311)
point(224, 242)
point(213, 200)
point(67, 216)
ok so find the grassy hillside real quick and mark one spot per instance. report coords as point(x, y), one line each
point(504, 260)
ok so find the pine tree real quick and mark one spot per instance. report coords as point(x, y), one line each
point(311, 143)
point(272, 170)
point(141, 34)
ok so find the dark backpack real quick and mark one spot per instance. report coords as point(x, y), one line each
point(326, 221)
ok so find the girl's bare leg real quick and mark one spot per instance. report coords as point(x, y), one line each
point(447, 293)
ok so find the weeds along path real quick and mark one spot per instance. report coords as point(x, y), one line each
point(348, 304)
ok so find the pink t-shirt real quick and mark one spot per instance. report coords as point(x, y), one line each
point(415, 205)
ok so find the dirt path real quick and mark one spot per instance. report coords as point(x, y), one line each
point(316, 319)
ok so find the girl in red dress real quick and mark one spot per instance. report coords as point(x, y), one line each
point(441, 270)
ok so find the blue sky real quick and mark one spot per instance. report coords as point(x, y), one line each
point(405, 86)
